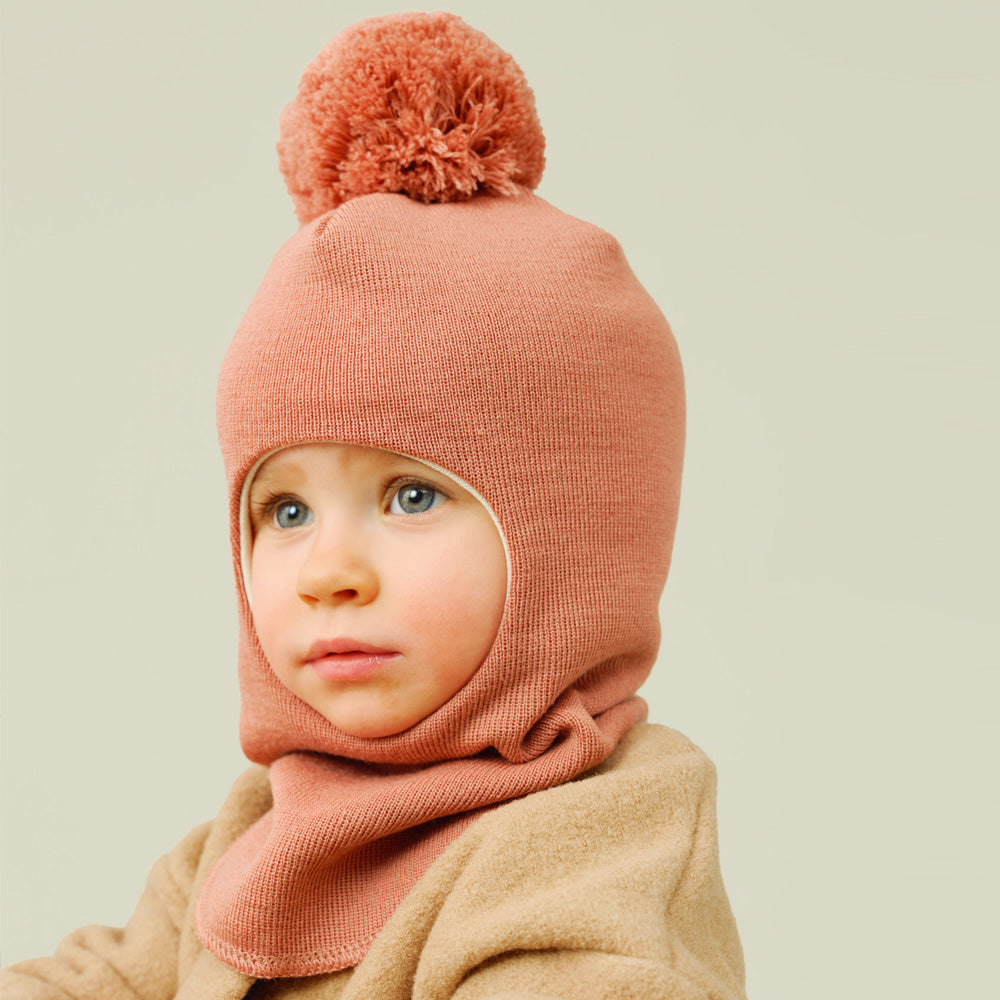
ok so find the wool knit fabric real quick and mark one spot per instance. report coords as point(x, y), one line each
point(510, 344)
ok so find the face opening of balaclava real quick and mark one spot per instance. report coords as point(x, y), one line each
point(431, 305)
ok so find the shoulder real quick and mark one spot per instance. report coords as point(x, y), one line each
point(189, 863)
point(618, 866)
point(653, 769)
point(186, 864)
point(640, 808)
point(248, 800)
point(654, 753)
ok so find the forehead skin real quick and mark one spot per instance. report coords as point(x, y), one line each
point(287, 465)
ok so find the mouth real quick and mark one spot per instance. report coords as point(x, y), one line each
point(346, 659)
point(344, 647)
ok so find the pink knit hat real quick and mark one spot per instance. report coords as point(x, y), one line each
point(431, 305)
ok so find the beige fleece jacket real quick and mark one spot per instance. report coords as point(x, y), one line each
point(607, 888)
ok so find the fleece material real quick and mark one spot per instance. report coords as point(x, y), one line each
point(606, 887)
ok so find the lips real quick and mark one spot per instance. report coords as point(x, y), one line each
point(337, 647)
point(347, 659)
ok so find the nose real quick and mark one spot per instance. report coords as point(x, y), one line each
point(337, 570)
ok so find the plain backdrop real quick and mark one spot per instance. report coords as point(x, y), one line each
point(808, 190)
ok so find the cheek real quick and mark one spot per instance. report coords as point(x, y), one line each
point(266, 597)
point(457, 598)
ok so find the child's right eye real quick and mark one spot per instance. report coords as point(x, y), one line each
point(291, 514)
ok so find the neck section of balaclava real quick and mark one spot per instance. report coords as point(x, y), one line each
point(510, 344)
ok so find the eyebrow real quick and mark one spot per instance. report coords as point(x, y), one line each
point(260, 484)
point(265, 480)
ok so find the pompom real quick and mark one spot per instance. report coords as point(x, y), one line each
point(415, 103)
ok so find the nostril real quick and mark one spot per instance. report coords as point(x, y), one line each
point(337, 580)
point(344, 594)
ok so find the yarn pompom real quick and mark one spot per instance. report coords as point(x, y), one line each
point(417, 103)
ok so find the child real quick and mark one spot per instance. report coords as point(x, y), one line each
point(452, 423)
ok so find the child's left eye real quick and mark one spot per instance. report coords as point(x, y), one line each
point(415, 498)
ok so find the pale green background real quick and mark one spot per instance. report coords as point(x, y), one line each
point(809, 191)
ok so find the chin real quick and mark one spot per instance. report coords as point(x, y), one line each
point(371, 729)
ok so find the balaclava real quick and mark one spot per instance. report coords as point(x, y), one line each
point(431, 305)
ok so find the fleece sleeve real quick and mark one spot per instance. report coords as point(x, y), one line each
point(110, 963)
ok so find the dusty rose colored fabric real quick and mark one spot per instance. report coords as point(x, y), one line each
point(511, 344)
point(419, 103)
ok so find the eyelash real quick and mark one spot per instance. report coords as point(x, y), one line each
point(264, 509)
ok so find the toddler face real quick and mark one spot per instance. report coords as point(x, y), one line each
point(377, 583)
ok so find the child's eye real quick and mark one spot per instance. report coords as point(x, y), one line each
point(291, 514)
point(415, 498)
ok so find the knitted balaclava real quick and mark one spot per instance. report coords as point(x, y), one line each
point(431, 305)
